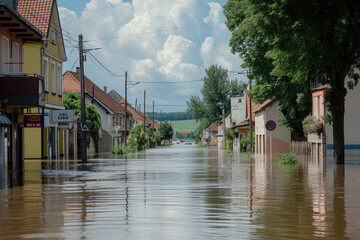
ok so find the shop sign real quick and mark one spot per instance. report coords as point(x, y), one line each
point(33, 121)
point(62, 116)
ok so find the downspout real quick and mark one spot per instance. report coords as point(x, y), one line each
point(42, 50)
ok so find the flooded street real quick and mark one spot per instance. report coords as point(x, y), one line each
point(183, 192)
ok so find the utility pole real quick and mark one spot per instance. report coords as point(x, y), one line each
point(82, 86)
point(251, 120)
point(144, 108)
point(160, 116)
point(223, 125)
point(125, 135)
point(135, 104)
point(153, 123)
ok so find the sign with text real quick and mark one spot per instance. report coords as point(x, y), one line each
point(62, 116)
point(184, 131)
point(33, 121)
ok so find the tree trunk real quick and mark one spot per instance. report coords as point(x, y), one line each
point(337, 101)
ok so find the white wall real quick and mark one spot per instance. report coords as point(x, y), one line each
point(281, 137)
point(351, 119)
point(106, 119)
point(238, 109)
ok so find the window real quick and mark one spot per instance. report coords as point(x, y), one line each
point(53, 79)
point(59, 74)
point(5, 54)
point(53, 35)
point(15, 58)
point(46, 74)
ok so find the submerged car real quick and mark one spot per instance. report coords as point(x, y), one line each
point(188, 142)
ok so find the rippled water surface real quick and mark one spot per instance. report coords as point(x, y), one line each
point(182, 192)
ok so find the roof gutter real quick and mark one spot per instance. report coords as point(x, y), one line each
point(42, 58)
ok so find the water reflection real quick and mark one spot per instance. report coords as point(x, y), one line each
point(182, 192)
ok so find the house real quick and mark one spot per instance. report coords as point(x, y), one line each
point(351, 116)
point(45, 58)
point(137, 117)
point(280, 137)
point(112, 113)
point(240, 111)
point(221, 134)
point(19, 90)
point(209, 135)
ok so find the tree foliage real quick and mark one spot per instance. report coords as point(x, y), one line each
point(217, 89)
point(72, 101)
point(166, 131)
point(301, 42)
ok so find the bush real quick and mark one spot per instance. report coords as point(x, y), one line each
point(167, 144)
point(287, 159)
point(245, 142)
point(200, 144)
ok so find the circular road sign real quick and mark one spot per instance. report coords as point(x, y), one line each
point(270, 125)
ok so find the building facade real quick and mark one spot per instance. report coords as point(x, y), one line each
point(15, 32)
point(45, 58)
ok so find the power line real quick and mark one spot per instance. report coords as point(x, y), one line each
point(174, 82)
point(151, 32)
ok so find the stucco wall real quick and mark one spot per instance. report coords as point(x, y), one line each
point(351, 121)
point(105, 121)
point(238, 109)
point(281, 137)
point(106, 141)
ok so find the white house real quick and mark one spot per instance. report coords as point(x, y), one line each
point(281, 137)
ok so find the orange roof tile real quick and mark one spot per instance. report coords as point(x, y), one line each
point(138, 116)
point(213, 127)
point(37, 12)
point(71, 82)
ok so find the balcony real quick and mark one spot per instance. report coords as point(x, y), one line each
point(22, 89)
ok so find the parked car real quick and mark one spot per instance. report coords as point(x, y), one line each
point(178, 142)
point(188, 142)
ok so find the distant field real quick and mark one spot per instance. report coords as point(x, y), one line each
point(184, 125)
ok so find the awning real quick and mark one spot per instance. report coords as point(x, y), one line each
point(4, 121)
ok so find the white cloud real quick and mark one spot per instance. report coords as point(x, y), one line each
point(154, 40)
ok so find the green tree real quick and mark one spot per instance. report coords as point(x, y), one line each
point(72, 101)
point(217, 88)
point(166, 131)
point(306, 42)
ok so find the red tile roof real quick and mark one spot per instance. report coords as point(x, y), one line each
point(71, 82)
point(138, 116)
point(37, 12)
point(212, 128)
point(264, 105)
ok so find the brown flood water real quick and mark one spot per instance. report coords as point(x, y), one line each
point(182, 192)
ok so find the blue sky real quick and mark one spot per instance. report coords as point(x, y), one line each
point(167, 41)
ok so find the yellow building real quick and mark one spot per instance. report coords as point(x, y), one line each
point(45, 58)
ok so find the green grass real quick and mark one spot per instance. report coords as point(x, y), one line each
point(184, 125)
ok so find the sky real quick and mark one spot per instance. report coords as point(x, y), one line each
point(164, 45)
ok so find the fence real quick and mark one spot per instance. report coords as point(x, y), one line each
point(300, 148)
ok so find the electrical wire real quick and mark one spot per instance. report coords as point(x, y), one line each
point(152, 32)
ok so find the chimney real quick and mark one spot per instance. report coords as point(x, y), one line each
point(78, 70)
point(105, 89)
